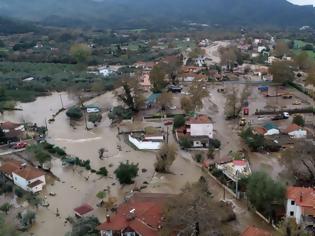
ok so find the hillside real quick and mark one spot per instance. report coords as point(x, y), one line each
point(148, 13)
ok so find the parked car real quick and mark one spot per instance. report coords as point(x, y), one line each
point(20, 145)
point(242, 122)
point(296, 103)
point(282, 116)
point(287, 96)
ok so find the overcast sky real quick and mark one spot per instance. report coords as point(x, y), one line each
point(303, 2)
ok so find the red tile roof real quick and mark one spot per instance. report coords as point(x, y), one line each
point(260, 130)
point(200, 119)
point(29, 172)
point(9, 166)
point(147, 218)
point(83, 209)
point(291, 128)
point(239, 162)
point(303, 197)
point(9, 125)
point(253, 231)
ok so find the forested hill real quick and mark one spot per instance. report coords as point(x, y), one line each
point(147, 13)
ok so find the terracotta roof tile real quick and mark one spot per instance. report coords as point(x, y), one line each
point(200, 119)
point(148, 214)
point(29, 172)
point(291, 128)
point(303, 197)
point(83, 209)
point(9, 166)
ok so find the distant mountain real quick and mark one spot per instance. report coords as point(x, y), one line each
point(10, 26)
point(148, 13)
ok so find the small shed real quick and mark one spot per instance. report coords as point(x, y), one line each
point(83, 210)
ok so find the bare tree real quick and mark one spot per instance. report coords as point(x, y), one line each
point(186, 104)
point(194, 212)
point(198, 91)
point(232, 105)
point(165, 158)
point(165, 100)
point(300, 161)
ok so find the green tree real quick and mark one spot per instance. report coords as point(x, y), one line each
point(179, 121)
point(101, 195)
point(28, 218)
point(263, 192)
point(5, 207)
point(85, 226)
point(102, 171)
point(302, 60)
point(95, 117)
point(185, 143)
point(299, 120)
point(126, 172)
point(165, 158)
point(157, 79)
point(80, 52)
point(18, 192)
point(74, 113)
point(282, 72)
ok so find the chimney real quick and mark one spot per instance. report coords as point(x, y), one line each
point(301, 197)
point(107, 219)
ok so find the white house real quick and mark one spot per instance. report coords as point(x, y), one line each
point(295, 131)
point(200, 125)
point(301, 205)
point(150, 139)
point(27, 177)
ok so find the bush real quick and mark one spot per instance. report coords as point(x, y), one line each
point(215, 143)
point(18, 192)
point(299, 120)
point(126, 172)
point(7, 188)
point(120, 113)
point(102, 171)
point(179, 121)
point(199, 157)
point(185, 143)
point(74, 113)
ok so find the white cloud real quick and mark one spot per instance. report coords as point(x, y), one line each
point(303, 2)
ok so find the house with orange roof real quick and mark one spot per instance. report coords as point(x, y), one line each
point(142, 215)
point(301, 206)
point(254, 231)
point(29, 178)
point(199, 129)
point(295, 131)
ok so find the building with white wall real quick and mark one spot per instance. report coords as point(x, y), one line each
point(29, 178)
point(200, 125)
point(301, 206)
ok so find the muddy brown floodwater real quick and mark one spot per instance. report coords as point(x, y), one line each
point(77, 186)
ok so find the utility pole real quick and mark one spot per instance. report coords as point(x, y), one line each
point(61, 101)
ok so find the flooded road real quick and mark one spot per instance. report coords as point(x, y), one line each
point(39, 110)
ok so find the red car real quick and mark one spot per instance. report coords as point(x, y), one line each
point(20, 145)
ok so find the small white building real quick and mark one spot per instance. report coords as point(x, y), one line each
point(301, 205)
point(235, 169)
point(260, 49)
point(26, 177)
